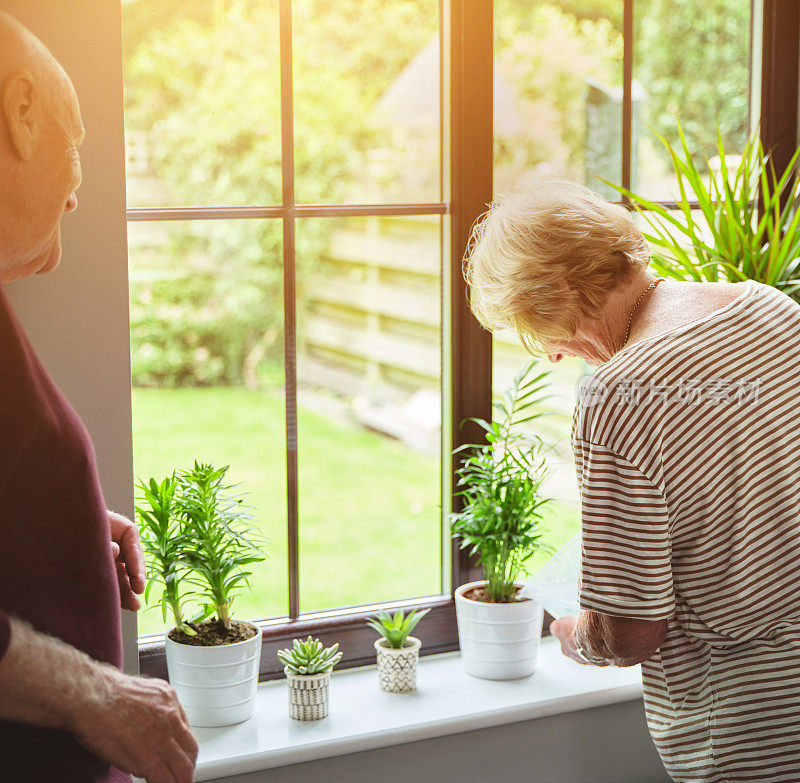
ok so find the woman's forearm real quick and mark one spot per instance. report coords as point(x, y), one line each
point(622, 641)
point(589, 635)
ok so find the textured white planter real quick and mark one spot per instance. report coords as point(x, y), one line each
point(215, 685)
point(308, 694)
point(498, 641)
point(397, 667)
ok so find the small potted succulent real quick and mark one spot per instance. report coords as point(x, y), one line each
point(398, 653)
point(500, 483)
point(193, 529)
point(308, 667)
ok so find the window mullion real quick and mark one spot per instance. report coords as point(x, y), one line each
point(471, 59)
point(289, 306)
point(780, 62)
point(627, 95)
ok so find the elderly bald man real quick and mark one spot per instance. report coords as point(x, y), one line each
point(67, 713)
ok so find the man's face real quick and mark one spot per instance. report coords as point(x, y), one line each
point(51, 182)
point(57, 195)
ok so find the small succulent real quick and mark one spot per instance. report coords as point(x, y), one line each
point(396, 629)
point(309, 657)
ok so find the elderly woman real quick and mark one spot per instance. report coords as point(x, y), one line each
point(685, 442)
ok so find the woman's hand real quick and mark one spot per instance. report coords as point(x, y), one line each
point(564, 630)
point(129, 559)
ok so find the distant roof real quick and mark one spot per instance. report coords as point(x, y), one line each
point(412, 100)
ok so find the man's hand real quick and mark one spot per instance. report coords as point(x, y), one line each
point(135, 723)
point(138, 725)
point(129, 559)
point(564, 630)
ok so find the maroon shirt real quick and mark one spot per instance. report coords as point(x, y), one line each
point(56, 567)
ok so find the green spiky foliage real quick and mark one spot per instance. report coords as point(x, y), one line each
point(309, 657)
point(500, 484)
point(747, 224)
point(220, 545)
point(194, 530)
point(162, 535)
point(396, 628)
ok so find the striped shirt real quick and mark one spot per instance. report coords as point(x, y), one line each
point(687, 449)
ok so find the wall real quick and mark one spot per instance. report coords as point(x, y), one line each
point(602, 745)
point(77, 316)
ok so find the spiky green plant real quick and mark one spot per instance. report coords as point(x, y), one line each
point(193, 528)
point(219, 544)
point(746, 225)
point(395, 629)
point(309, 657)
point(500, 485)
point(162, 535)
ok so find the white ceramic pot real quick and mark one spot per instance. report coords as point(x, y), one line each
point(397, 667)
point(498, 641)
point(215, 685)
point(308, 694)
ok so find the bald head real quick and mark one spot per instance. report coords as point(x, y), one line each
point(21, 50)
point(40, 130)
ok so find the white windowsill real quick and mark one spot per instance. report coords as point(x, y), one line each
point(447, 701)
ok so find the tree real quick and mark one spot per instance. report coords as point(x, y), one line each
point(692, 57)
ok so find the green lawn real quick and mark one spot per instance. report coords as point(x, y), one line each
point(369, 506)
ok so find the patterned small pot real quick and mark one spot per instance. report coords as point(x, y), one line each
point(397, 667)
point(308, 695)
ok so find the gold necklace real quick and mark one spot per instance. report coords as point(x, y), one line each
point(638, 301)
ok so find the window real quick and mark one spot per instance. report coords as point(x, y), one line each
point(302, 179)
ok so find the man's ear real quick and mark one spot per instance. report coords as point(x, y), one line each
point(21, 110)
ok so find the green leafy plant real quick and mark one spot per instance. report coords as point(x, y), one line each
point(309, 657)
point(194, 528)
point(220, 543)
point(161, 532)
point(500, 485)
point(395, 629)
point(726, 237)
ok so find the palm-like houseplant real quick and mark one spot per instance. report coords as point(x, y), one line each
point(500, 483)
point(746, 224)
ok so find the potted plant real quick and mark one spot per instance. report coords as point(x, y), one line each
point(193, 528)
point(500, 482)
point(746, 224)
point(308, 667)
point(398, 653)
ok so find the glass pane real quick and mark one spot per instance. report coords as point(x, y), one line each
point(366, 87)
point(692, 65)
point(202, 103)
point(369, 358)
point(561, 517)
point(557, 91)
point(207, 359)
